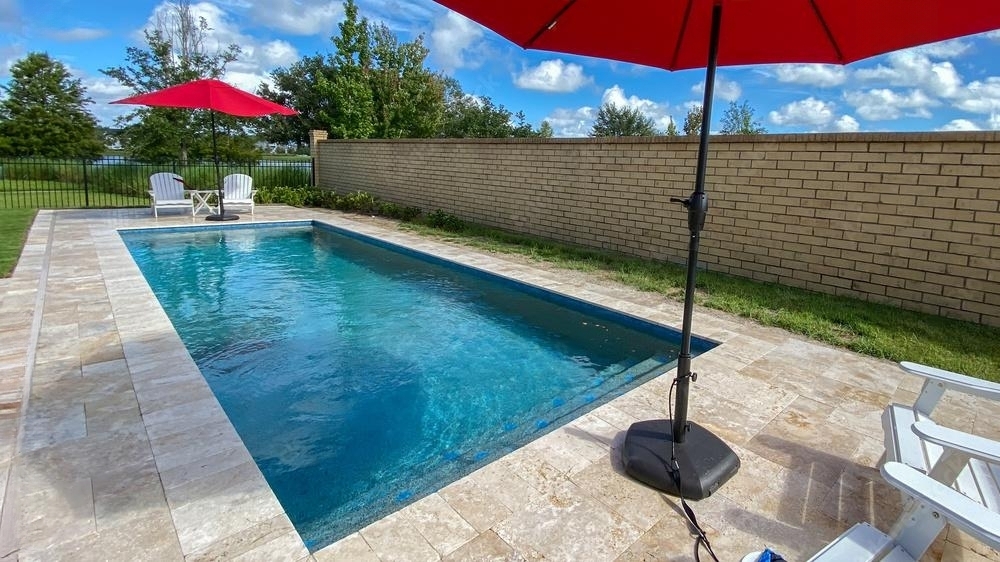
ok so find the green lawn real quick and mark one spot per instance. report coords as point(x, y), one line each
point(14, 225)
point(43, 194)
point(869, 328)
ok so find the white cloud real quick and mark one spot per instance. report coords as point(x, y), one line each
point(884, 104)
point(944, 49)
point(256, 58)
point(819, 75)
point(959, 125)
point(994, 35)
point(994, 122)
point(659, 113)
point(9, 54)
point(913, 69)
point(809, 111)
point(452, 35)
point(846, 124)
point(553, 76)
point(980, 96)
point(298, 17)
point(78, 34)
point(724, 89)
point(572, 122)
point(103, 91)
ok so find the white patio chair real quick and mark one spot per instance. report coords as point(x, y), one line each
point(930, 506)
point(166, 191)
point(914, 439)
point(238, 191)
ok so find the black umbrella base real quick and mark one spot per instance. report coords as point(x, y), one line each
point(704, 461)
point(225, 217)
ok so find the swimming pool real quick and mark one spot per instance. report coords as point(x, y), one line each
point(362, 376)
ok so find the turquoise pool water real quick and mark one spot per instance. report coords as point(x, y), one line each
point(362, 376)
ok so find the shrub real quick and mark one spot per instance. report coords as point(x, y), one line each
point(445, 221)
point(358, 202)
point(394, 211)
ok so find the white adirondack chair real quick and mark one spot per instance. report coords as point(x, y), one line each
point(914, 439)
point(931, 506)
point(238, 191)
point(166, 191)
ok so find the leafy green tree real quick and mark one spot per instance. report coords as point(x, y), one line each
point(175, 53)
point(44, 112)
point(467, 116)
point(692, 121)
point(371, 85)
point(545, 130)
point(299, 86)
point(672, 128)
point(738, 120)
point(614, 121)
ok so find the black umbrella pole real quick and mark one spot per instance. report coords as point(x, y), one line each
point(681, 458)
point(222, 216)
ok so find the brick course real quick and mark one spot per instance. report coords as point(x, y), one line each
point(909, 219)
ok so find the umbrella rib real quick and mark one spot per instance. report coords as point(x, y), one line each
point(680, 36)
point(826, 29)
point(548, 26)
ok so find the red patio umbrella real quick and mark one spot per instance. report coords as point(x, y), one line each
point(677, 456)
point(214, 95)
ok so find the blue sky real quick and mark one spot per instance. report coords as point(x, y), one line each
point(953, 85)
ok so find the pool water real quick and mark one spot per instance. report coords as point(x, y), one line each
point(362, 377)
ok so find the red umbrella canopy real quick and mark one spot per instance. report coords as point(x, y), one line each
point(210, 94)
point(674, 34)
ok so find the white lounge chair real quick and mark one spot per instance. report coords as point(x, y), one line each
point(931, 506)
point(914, 439)
point(238, 191)
point(166, 191)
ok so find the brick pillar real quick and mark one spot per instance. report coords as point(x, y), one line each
point(314, 137)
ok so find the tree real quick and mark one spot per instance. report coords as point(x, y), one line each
point(692, 122)
point(545, 130)
point(44, 112)
point(738, 120)
point(176, 53)
point(371, 85)
point(672, 128)
point(467, 116)
point(614, 121)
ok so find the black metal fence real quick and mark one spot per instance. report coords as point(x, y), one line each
point(112, 182)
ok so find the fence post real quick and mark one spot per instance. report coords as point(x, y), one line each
point(86, 185)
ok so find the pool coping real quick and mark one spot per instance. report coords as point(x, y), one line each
point(238, 515)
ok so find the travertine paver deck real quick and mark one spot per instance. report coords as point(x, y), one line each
point(112, 446)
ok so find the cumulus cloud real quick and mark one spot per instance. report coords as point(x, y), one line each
point(553, 76)
point(572, 122)
point(298, 17)
point(257, 57)
point(724, 89)
point(819, 75)
point(78, 34)
point(993, 123)
point(959, 125)
point(9, 54)
point(884, 104)
point(944, 49)
point(913, 69)
point(846, 124)
point(980, 96)
point(994, 35)
point(454, 34)
point(810, 111)
point(659, 113)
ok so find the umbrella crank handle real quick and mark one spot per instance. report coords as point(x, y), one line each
point(697, 206)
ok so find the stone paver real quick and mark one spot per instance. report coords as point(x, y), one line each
point(112, 445)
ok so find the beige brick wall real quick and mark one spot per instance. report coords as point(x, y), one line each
point(910, 219)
